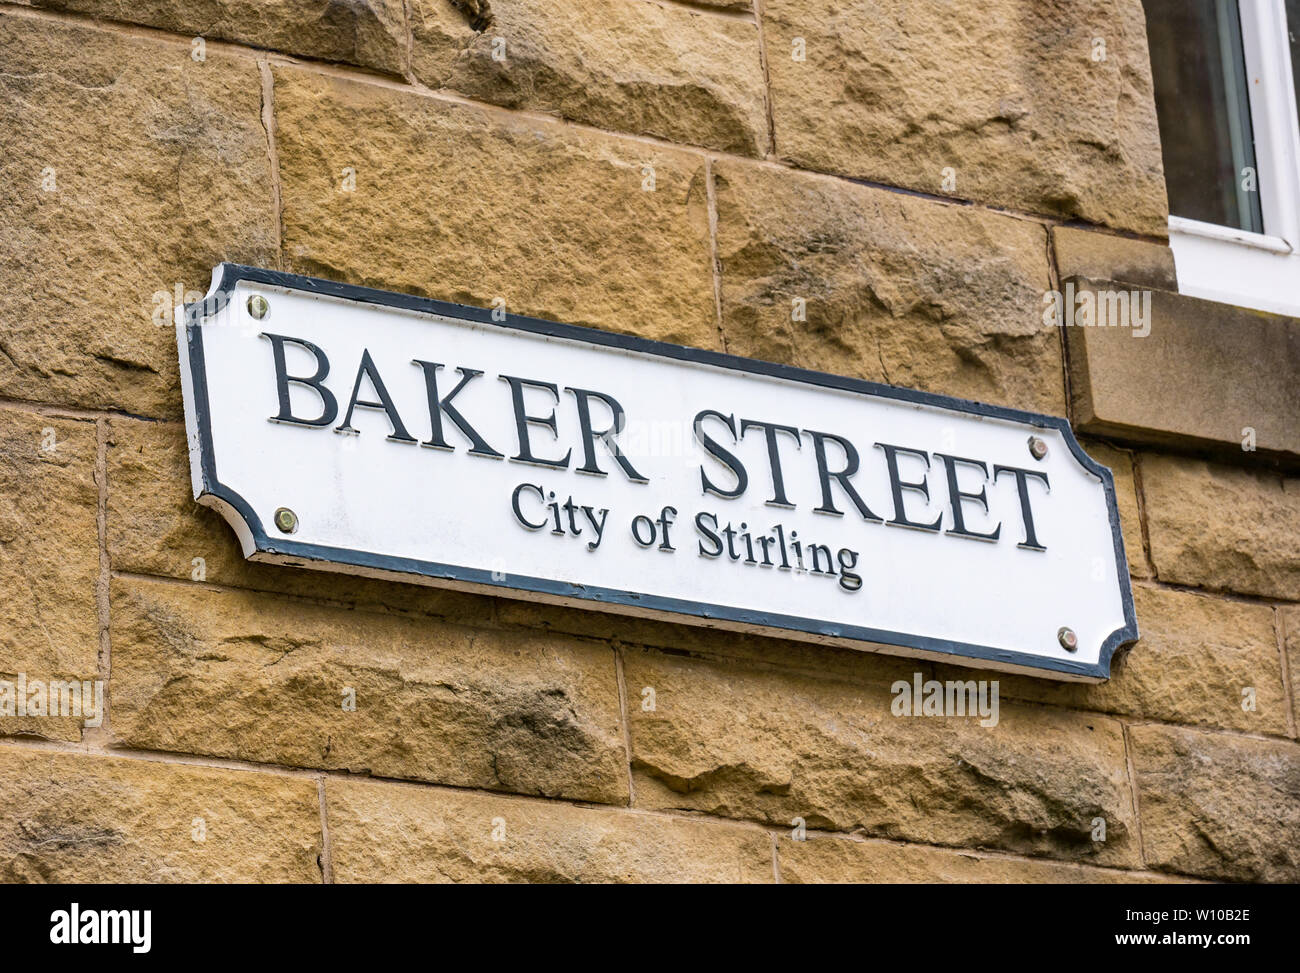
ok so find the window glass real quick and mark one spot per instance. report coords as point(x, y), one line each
point(1202, 100)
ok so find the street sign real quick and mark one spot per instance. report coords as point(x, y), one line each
point(379, 434)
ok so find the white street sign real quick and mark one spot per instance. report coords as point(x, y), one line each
point(355, 430)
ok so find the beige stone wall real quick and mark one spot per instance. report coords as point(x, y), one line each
point(911, 177)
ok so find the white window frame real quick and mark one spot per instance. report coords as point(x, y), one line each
point(1232, 266)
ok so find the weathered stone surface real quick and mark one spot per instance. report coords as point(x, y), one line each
point(734, 5)
point(1217, 805)
point(1104, 256)
point(156, 168)
point(870, 668)
point(607, 625)
point(242, 675)
point(896, 289)
point(49, 558)
point(1222, 528)
point(645, 68)
point(471, 205)
point(823, 860)
point(1224, 376)
point(748, 743)
point(1120, 464)
point(155, 527)
point(1289, 619)
point(1196, 657)
point(88, 818)
point(371, 33)
point(395, 833)
point(1008, 95)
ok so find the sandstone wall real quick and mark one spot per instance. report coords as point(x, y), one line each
point(918, 173)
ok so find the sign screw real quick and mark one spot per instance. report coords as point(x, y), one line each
point(1069, 641)
point(258, 307)
point(287, 521)
point(1037, 447)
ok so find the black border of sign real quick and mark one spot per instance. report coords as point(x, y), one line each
point(227, 275)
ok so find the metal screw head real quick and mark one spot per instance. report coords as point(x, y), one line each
point(286, 520)
point(1037, 447)
point(258, 307)
point(1069, 641)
